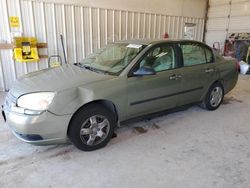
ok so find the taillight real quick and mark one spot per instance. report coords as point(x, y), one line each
point(237, 66)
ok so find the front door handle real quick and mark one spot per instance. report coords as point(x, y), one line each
point(209, 70)
point(175, 77)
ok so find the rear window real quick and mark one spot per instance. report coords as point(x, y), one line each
point(193, 54)
point(196, 54)
point(209, 55)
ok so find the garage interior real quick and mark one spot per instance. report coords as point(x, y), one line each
point(191, 148)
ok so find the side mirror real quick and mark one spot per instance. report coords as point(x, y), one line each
point(144, 71)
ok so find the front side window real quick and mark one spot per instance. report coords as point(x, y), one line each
point(113, 58)
point(160, 58)
point(193, 54)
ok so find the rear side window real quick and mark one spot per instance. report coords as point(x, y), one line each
point(193, 54)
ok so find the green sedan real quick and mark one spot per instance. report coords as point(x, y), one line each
point(84, 102)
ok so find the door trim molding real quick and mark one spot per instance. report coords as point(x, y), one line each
point(165, 96)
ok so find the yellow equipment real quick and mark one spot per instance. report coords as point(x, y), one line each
point(25, 49)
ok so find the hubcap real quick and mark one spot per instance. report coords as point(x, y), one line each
point(216, 96)
point(94, 130)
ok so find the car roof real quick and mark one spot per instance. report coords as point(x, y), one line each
point(154, 41)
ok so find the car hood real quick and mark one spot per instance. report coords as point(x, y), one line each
point(55, 79)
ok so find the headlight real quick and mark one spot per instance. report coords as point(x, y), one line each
point(36, 101)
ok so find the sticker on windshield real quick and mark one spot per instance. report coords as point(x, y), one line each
point(134, 46)
point(162, 54)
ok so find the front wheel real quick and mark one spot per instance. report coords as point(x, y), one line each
point(91, 127)
point(214, 97)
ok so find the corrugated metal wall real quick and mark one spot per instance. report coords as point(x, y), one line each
point(240, 16)
point(84, 29)
point(227, 16)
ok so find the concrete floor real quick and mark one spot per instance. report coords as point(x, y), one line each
point(192, 148)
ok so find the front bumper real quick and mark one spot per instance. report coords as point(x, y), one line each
point(43, 129)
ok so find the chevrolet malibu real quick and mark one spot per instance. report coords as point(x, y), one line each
point(84, 102)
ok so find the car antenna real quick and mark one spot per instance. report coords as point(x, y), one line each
point(64, 54)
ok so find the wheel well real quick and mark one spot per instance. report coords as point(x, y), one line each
point(218, 81)
point(106, 103)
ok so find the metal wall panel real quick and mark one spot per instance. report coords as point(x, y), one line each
point(227, 16)
point(84, 29)
point(240, 16)
point(220, 11)
point(7, 65)
point(218, 22)
point(239, 24)
point(217, 3)
point(240, 8)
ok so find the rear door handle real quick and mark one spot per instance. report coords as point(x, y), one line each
point(175, 77)
point(209, 70)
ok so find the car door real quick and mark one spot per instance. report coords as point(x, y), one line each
point(152, 93)
point(198, 71)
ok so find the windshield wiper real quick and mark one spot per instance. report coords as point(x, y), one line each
point(91, 68)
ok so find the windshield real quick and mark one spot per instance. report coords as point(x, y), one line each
point(112, 59)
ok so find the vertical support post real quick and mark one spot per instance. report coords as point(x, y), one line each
point(91, 30)
point(83, 33)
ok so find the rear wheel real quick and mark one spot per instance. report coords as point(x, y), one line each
point(214, 97)
point(91, 127)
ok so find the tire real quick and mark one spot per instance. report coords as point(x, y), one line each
point(214, 97)
point(91, 127)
